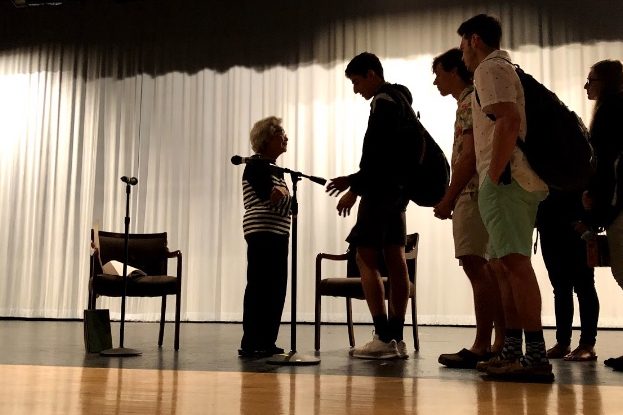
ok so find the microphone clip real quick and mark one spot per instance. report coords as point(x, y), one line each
point(131, 181)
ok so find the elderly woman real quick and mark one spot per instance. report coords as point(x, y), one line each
point(604, 197)
point(266, 227)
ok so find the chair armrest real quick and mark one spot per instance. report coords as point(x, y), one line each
point(177, 254)
point(330, 257)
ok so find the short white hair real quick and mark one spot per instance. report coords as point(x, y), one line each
point(262, 131)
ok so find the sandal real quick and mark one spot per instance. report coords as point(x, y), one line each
point(464, 359)
point(582, 353)
point(558, 351)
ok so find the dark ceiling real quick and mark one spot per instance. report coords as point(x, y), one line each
point(220, 34)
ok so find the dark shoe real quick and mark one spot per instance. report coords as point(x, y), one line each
point(518, 371)
point(583, 353)
point(464, 359)
point(276, 350)
point(558, 351)
point(253, 353)
point(614, 361)
point(617, 364)
point(263, 352)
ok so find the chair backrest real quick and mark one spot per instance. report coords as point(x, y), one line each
point(147, 252)
point(411, 251)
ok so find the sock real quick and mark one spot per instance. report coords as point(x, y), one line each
point(381, 327)
point(512, 345)
point(535, 349)
point(395, 328)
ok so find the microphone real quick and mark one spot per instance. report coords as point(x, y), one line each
point(236, 160)
point(129, 180)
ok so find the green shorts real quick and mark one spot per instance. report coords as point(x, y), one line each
point(509, 214)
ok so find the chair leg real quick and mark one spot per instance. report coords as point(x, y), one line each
point(416, 337)
point(163, 309)
point(178, 307)
point(349, 318)
point(91, 301)
point(317, 323)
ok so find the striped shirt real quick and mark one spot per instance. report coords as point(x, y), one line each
point(260, 214)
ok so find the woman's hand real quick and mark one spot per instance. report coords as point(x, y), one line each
point(277, 194)
point(346, 203)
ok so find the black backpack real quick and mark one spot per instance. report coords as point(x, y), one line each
point(429, 173)
point(557, 142)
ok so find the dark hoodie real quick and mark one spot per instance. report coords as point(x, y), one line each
point(385, 154)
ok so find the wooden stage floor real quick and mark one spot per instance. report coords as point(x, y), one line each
point(44, 370)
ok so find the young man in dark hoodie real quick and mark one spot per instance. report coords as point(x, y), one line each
point(380, 231)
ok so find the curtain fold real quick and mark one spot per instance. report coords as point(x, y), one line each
point(76, 116)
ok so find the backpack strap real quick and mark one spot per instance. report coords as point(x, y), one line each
point(506, 177)
point(409, 116)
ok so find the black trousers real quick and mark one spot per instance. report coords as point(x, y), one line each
point(564, 254)
point(265, 293)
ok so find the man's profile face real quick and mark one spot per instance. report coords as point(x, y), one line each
point(443, 79)
point(366, 86)
point(469, 52)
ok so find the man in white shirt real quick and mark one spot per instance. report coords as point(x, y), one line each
point(509, 195)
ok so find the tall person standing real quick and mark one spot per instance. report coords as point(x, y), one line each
point(266, 226)
point(460, 203)
point(380, 230)
point(508, 198)
point(604, 197)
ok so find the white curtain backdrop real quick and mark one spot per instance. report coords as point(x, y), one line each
point(75, 118)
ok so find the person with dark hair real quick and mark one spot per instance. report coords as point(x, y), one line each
point(381, 223)
point(266, 226)
point(508, 197)
point(604, 196)
point(460, 203)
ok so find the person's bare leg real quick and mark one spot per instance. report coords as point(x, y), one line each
point(525, 291)
point(398, 280)
point(496, 272)
point(509, 310)
point(475, 268)
point(527, 295)
point(367, 261)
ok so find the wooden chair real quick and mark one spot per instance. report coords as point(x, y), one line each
point(147, 252)
point(350, 287)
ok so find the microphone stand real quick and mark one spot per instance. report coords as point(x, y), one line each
point(293, 358)
point(124, 351)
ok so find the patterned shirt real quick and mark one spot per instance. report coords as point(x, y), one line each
point(496, 81)
point(463, 124)
point(260, 214)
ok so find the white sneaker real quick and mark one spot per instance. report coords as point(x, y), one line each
point(376, 349)
point(403, 353)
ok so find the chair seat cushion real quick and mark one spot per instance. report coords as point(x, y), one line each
point(142, 286)
point(350, 287)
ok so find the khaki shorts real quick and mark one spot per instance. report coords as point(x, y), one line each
point(470, 234)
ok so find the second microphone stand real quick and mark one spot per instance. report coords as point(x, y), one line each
point(124, 351)
point(293, 358)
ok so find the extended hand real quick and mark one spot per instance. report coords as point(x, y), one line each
point(346, 203)
point(443, 209)
point(338, 185)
